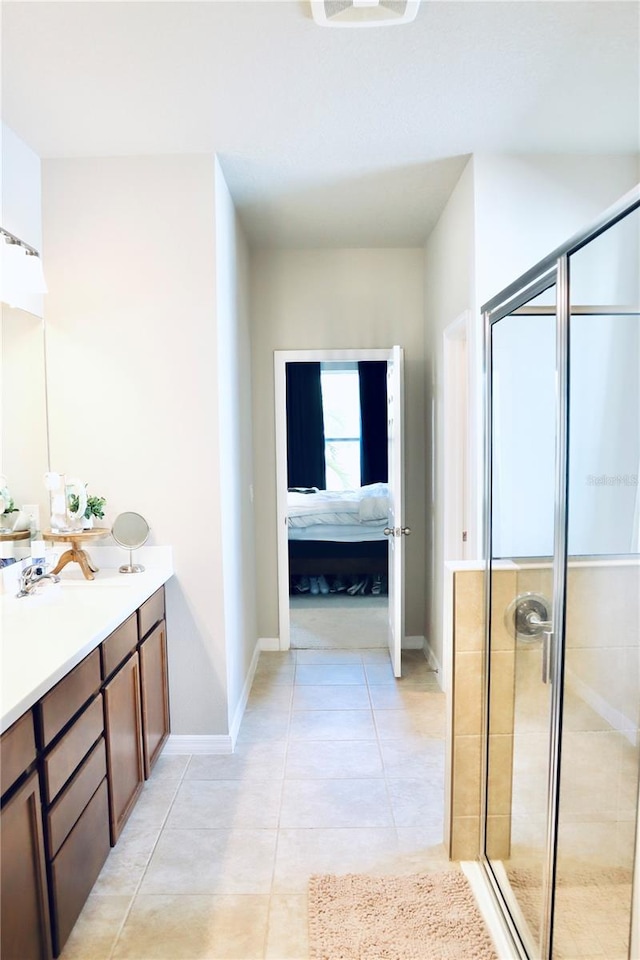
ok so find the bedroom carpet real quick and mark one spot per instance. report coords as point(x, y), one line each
point(427, 916)
point(337, 621)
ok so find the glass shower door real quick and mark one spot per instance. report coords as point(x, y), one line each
point(599, 738)
point(523, 477)
point(562, 720)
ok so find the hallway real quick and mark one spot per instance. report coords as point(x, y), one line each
point(338, 768)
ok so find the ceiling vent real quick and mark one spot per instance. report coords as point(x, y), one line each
point(363, 13)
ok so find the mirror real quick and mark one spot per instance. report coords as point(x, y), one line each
point(130, 530)
point(24, 450)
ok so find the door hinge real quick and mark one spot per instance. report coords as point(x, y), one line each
point(464, 536)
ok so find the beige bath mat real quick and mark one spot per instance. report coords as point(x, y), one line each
point(426, 916)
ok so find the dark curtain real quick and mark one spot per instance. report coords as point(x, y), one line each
point(305, 427)
point(373, 421)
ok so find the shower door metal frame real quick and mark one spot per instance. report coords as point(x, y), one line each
point(546, 279)
point(553, 270)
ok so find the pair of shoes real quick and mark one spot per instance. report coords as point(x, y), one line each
point(359, 587)
point(338, 585)
point(303, 585)
point(318, 585)
point(376, 588)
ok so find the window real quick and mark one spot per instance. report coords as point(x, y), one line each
point(341, 408)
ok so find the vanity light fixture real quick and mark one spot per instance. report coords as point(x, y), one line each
point(11, 239)
point(21, 268)
point(363, 13)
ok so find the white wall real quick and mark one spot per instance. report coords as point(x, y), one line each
point(236, 455)
point(604, 435)
point(604, 461)
point(326, 299)
point(524, 432)
point(525, 207)
point(133, 364)
point(449, 292)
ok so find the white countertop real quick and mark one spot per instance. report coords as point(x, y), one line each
point(45, 635)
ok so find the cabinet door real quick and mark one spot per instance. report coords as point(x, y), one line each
point(151, 612)
point(155, 694)
point(77, 865)
point(125, 765)
point(25, 931)
point(17, 751)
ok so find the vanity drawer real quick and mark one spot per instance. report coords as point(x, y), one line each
point(68, 696)
point(119, 645)
point(78, 863)
point(69, 806)
point(151, 612)
point(17, 751)
point(61, 762)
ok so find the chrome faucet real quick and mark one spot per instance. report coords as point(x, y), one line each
point(31, 576)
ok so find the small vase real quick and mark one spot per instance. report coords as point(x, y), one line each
point(7, 521)
point(87, 523)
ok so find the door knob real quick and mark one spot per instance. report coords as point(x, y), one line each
point(406, 531)
point(388, 531)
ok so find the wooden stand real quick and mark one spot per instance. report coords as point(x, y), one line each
point(11, 535)
point(7, 554)
point(76, 553)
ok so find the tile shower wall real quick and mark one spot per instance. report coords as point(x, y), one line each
point(602, 677)
point(599, 783)
point(467, 715)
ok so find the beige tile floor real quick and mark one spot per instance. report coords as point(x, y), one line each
point(338, 768)
point(323, 622)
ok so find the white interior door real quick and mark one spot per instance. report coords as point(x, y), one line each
point(281, 358)
point(397, 529)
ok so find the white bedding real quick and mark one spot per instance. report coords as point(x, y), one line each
point(342, 532)
point(367, 505)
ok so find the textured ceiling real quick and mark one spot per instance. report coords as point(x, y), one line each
point(348, 137)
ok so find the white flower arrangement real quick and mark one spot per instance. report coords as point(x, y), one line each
point(7, 503)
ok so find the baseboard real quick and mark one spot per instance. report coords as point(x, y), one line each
point(238, 714)
point(413, 643)
point(178, 745)
point(271, 644)
point(434, 663)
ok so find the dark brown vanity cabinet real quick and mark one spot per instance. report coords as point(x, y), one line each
point(154, 683)
point(71, 770)
point(74, 789)
point(25, 931)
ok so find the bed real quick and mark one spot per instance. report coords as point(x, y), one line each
point(338, 532)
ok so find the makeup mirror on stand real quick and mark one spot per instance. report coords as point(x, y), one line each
point(130, 530)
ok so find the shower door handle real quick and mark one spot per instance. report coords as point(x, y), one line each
point(547, 655)
point(543, 628)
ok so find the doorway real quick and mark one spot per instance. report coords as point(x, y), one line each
point(340, 581)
